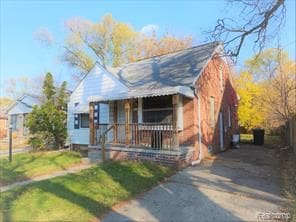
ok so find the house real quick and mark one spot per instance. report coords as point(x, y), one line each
point(3, 123)
point(172, 109)
point(17, 113)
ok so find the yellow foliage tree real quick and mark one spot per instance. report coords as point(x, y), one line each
point(251, 112)
point(267, 90)
point(276, 75)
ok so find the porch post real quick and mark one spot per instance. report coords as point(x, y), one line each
point(140, 110)
point(91, 124)
point(115, 122)
point(175, 121)
point(127, 107)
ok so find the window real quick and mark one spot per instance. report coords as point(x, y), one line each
point(103, 113)
point(26, 130)
point(84, 120)
point(229, 117)
point(158, 109)
point(212, 111)
point(221, 78)
point(13, 122)
point(81, 120)
point(25, 120)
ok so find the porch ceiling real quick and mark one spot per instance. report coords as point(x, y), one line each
point(81, 108)
point(141, 93)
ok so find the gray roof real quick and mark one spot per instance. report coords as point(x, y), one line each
point(175, 69)
point(28, 100)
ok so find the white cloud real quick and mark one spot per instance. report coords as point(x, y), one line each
point(148, 29)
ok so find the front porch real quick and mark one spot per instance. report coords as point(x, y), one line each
point(145, 123)
point(149, 128)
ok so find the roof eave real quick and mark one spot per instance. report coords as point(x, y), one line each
point(218, 49)
point(182, 90)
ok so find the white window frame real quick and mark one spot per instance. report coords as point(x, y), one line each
point(13, 123)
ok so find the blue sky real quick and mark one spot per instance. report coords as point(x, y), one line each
point(21, 55)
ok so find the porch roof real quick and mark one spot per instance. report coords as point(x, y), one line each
point(141, 93)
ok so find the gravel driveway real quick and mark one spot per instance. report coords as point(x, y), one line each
point(232, 187)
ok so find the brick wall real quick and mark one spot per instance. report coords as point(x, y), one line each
point(3, 127)
point(208, 85)
point(178, 158)
point(186, 136)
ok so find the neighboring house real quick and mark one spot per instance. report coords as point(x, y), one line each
point(3, 122)
point(17, 113)
point(172, 109)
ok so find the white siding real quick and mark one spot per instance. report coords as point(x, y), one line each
point(98, 82)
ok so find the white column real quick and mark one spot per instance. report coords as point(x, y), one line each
point(140, 110)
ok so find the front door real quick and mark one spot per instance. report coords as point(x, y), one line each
point(221, 129)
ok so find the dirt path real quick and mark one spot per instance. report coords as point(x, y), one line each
point(235, 186)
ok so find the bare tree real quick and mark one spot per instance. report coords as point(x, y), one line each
point(109, 42)
point(275, 73)
point(258, 21)
point(17, 86)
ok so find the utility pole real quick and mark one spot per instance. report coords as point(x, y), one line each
point(10, 143)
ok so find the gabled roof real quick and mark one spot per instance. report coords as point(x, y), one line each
point(173, 73)
point(174, 69)
point(26, 100)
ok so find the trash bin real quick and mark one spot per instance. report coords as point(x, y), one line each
point(258, 136)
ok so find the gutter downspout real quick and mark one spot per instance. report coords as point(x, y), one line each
point(200, 156)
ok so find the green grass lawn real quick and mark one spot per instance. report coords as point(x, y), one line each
point(84, 196)
point(28, 165)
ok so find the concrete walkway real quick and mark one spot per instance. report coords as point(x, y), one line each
point(235, 186)
point(73, 169)
point(15, 151)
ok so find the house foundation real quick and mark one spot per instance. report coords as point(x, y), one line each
point(178, 159)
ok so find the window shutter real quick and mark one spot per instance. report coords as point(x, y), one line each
point(96, 113)
point(76, 121)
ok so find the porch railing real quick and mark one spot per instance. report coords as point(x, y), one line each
point(138, 135)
